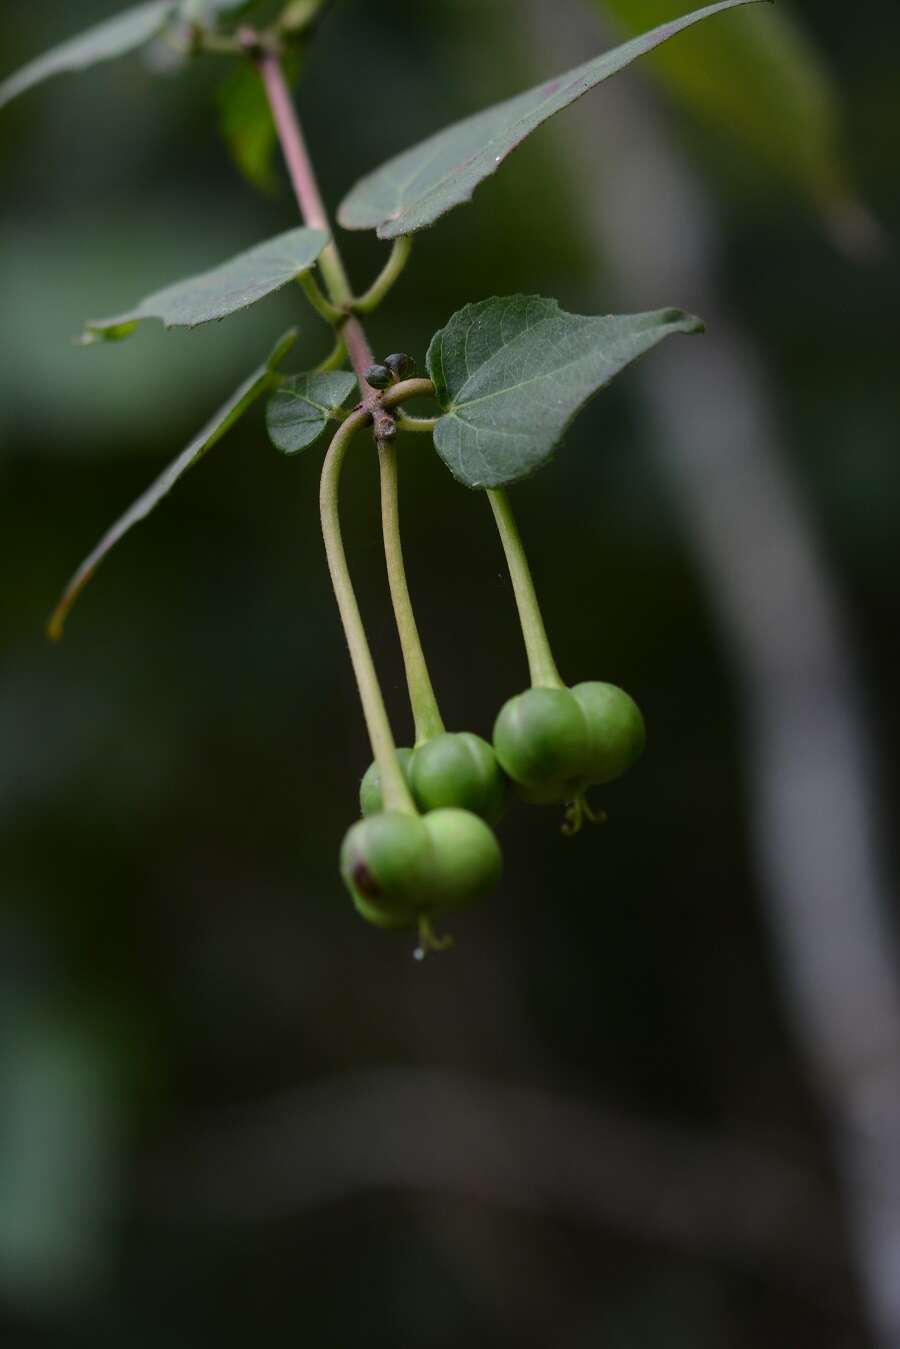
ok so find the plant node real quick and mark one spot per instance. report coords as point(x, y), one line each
point(256, 45)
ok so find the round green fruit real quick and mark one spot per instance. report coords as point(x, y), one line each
point(388, 922)
point(370, 799)
point(459, 770)
point(616, 731)
point(467, 862)
point(387, 862)
point(540, 738)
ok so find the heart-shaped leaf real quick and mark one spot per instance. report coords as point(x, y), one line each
point(115, 37)
point(253, 388)
point(414, 189)
point(303, 406)
point(511, 374)
point(236, 285)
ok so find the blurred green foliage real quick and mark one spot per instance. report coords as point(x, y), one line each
point(762, 82)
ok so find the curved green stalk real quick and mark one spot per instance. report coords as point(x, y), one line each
point(320, 303)
point(425, 710)
point(395, 792)
point(541, 664)
point(423, 426)
point(393, 268)
point(336, 358)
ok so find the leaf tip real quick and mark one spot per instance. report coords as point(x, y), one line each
point(99, 330)
point(688, 323)
point(55, 625)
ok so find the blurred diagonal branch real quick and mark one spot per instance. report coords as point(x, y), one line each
point(806, 741)
point(718, 74)
point(525, 1148)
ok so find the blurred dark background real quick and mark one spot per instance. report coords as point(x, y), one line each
point(651, 1098)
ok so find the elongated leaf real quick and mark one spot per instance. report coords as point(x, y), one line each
point(236, 285)
point(207, 11)
point(123, 33)
point(720, 74)
point(511, 374)
point(301, 409)
point(413, 190)
point(245, 120)
point(253, 388)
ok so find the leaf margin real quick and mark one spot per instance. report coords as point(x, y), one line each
point(162, 303)
point(66, 57)
point(399, 222)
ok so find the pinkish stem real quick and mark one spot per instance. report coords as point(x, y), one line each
point(312, 209)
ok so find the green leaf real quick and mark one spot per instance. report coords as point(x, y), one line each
point(252, 389)
point(246, 122)
point(115, 37)
point(304, 404)
point(207, 11)
point(414, 189)
point(236, 285)
point(795, 128)
point(512, 373)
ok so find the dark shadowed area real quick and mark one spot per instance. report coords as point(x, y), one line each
point(651, 1100)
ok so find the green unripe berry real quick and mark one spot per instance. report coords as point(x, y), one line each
point(370, 799)
point(616, 732)
point(458, 770)
point(378, 377)
point(466, 858)
point(388, 922)
point(400, 365)
point(540, 738)
point(387, 863)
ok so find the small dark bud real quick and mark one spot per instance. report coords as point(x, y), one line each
point(378, 377)
point(400, 365)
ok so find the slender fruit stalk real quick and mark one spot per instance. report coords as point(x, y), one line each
point(394, 789)
point(426, 712)
point(340, 293)
point(541, 664)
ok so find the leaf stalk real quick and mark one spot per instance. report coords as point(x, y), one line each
point(369, 301)
point(320, 303)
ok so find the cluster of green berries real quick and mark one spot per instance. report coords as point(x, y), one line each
point(550, 744)
point(438, 852)
point(556, 743)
